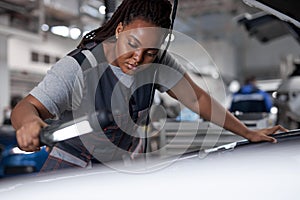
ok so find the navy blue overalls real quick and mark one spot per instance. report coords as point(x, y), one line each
point(104, 91)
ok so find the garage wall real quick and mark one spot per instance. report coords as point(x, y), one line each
point(20, 53)
point(224, 56)
point(265, 59)
point(29, 60)
point(208, 56)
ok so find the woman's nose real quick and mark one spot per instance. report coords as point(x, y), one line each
point(138, 55)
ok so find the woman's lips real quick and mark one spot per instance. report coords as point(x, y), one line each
point(131, 66)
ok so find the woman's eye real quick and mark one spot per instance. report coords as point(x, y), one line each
point(151, 54)
point(132, 45)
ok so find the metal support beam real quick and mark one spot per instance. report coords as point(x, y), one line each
point(4, 76)
point(110, 6)
point(42, 17)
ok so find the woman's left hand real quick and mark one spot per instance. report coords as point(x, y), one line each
point(264, 134)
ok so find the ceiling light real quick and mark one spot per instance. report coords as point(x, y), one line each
point(45, 27)
point(234, 86)
point(75, 33)
point(215, 75)
point(89, 10)
point(102, 10)
point(60, 30)
point(274, 110)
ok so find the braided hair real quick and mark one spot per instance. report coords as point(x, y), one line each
point(154, 11)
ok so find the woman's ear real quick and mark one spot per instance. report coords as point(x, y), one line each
point(119, 29)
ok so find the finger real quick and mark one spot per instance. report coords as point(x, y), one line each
point(274, 129)
point(19, 139)
point(277, 128)
point(27, 144)
point(26, 148)
point(269, 131)
point(281, 128)
point(33, 148)
point(44, 124)
point(32, 144)
point(35, 131)
point(36, 144)
point(270, 139)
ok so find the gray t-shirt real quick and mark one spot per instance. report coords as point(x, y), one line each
point(56, 90)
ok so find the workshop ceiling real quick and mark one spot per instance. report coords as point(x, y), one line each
point(195, 8)
point(193, 16)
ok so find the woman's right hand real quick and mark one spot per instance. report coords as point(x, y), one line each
point(28, 135)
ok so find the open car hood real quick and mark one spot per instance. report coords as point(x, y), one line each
point(278, 18)
point(287, 10)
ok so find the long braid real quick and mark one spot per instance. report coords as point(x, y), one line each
point(155, 11)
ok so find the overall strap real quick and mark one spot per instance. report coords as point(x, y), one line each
point(89, 57)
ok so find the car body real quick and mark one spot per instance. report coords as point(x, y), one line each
point(243, 171)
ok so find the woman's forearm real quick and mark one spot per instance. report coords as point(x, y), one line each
point(211, 110)
point(28, 110)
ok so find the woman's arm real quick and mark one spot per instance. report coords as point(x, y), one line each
point(27, 118)
point(196, 99)
point(56, 92)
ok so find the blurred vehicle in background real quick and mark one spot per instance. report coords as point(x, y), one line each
point(279, 18)
point(250, 98)
point(288, 99)
point(13, 161)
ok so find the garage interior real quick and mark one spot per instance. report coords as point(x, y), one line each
point(231, 41)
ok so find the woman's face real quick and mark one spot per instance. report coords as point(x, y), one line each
point(137, 44)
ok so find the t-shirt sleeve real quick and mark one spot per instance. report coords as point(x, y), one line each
point(61, 88)
point(170, 72)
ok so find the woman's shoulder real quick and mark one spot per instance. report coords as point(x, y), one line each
point(89, 57)
point(169, 61)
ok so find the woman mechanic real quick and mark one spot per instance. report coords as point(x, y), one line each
point(131, 67)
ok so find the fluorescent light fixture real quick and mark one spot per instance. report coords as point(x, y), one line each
point(60, 30)
point(65, 31)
